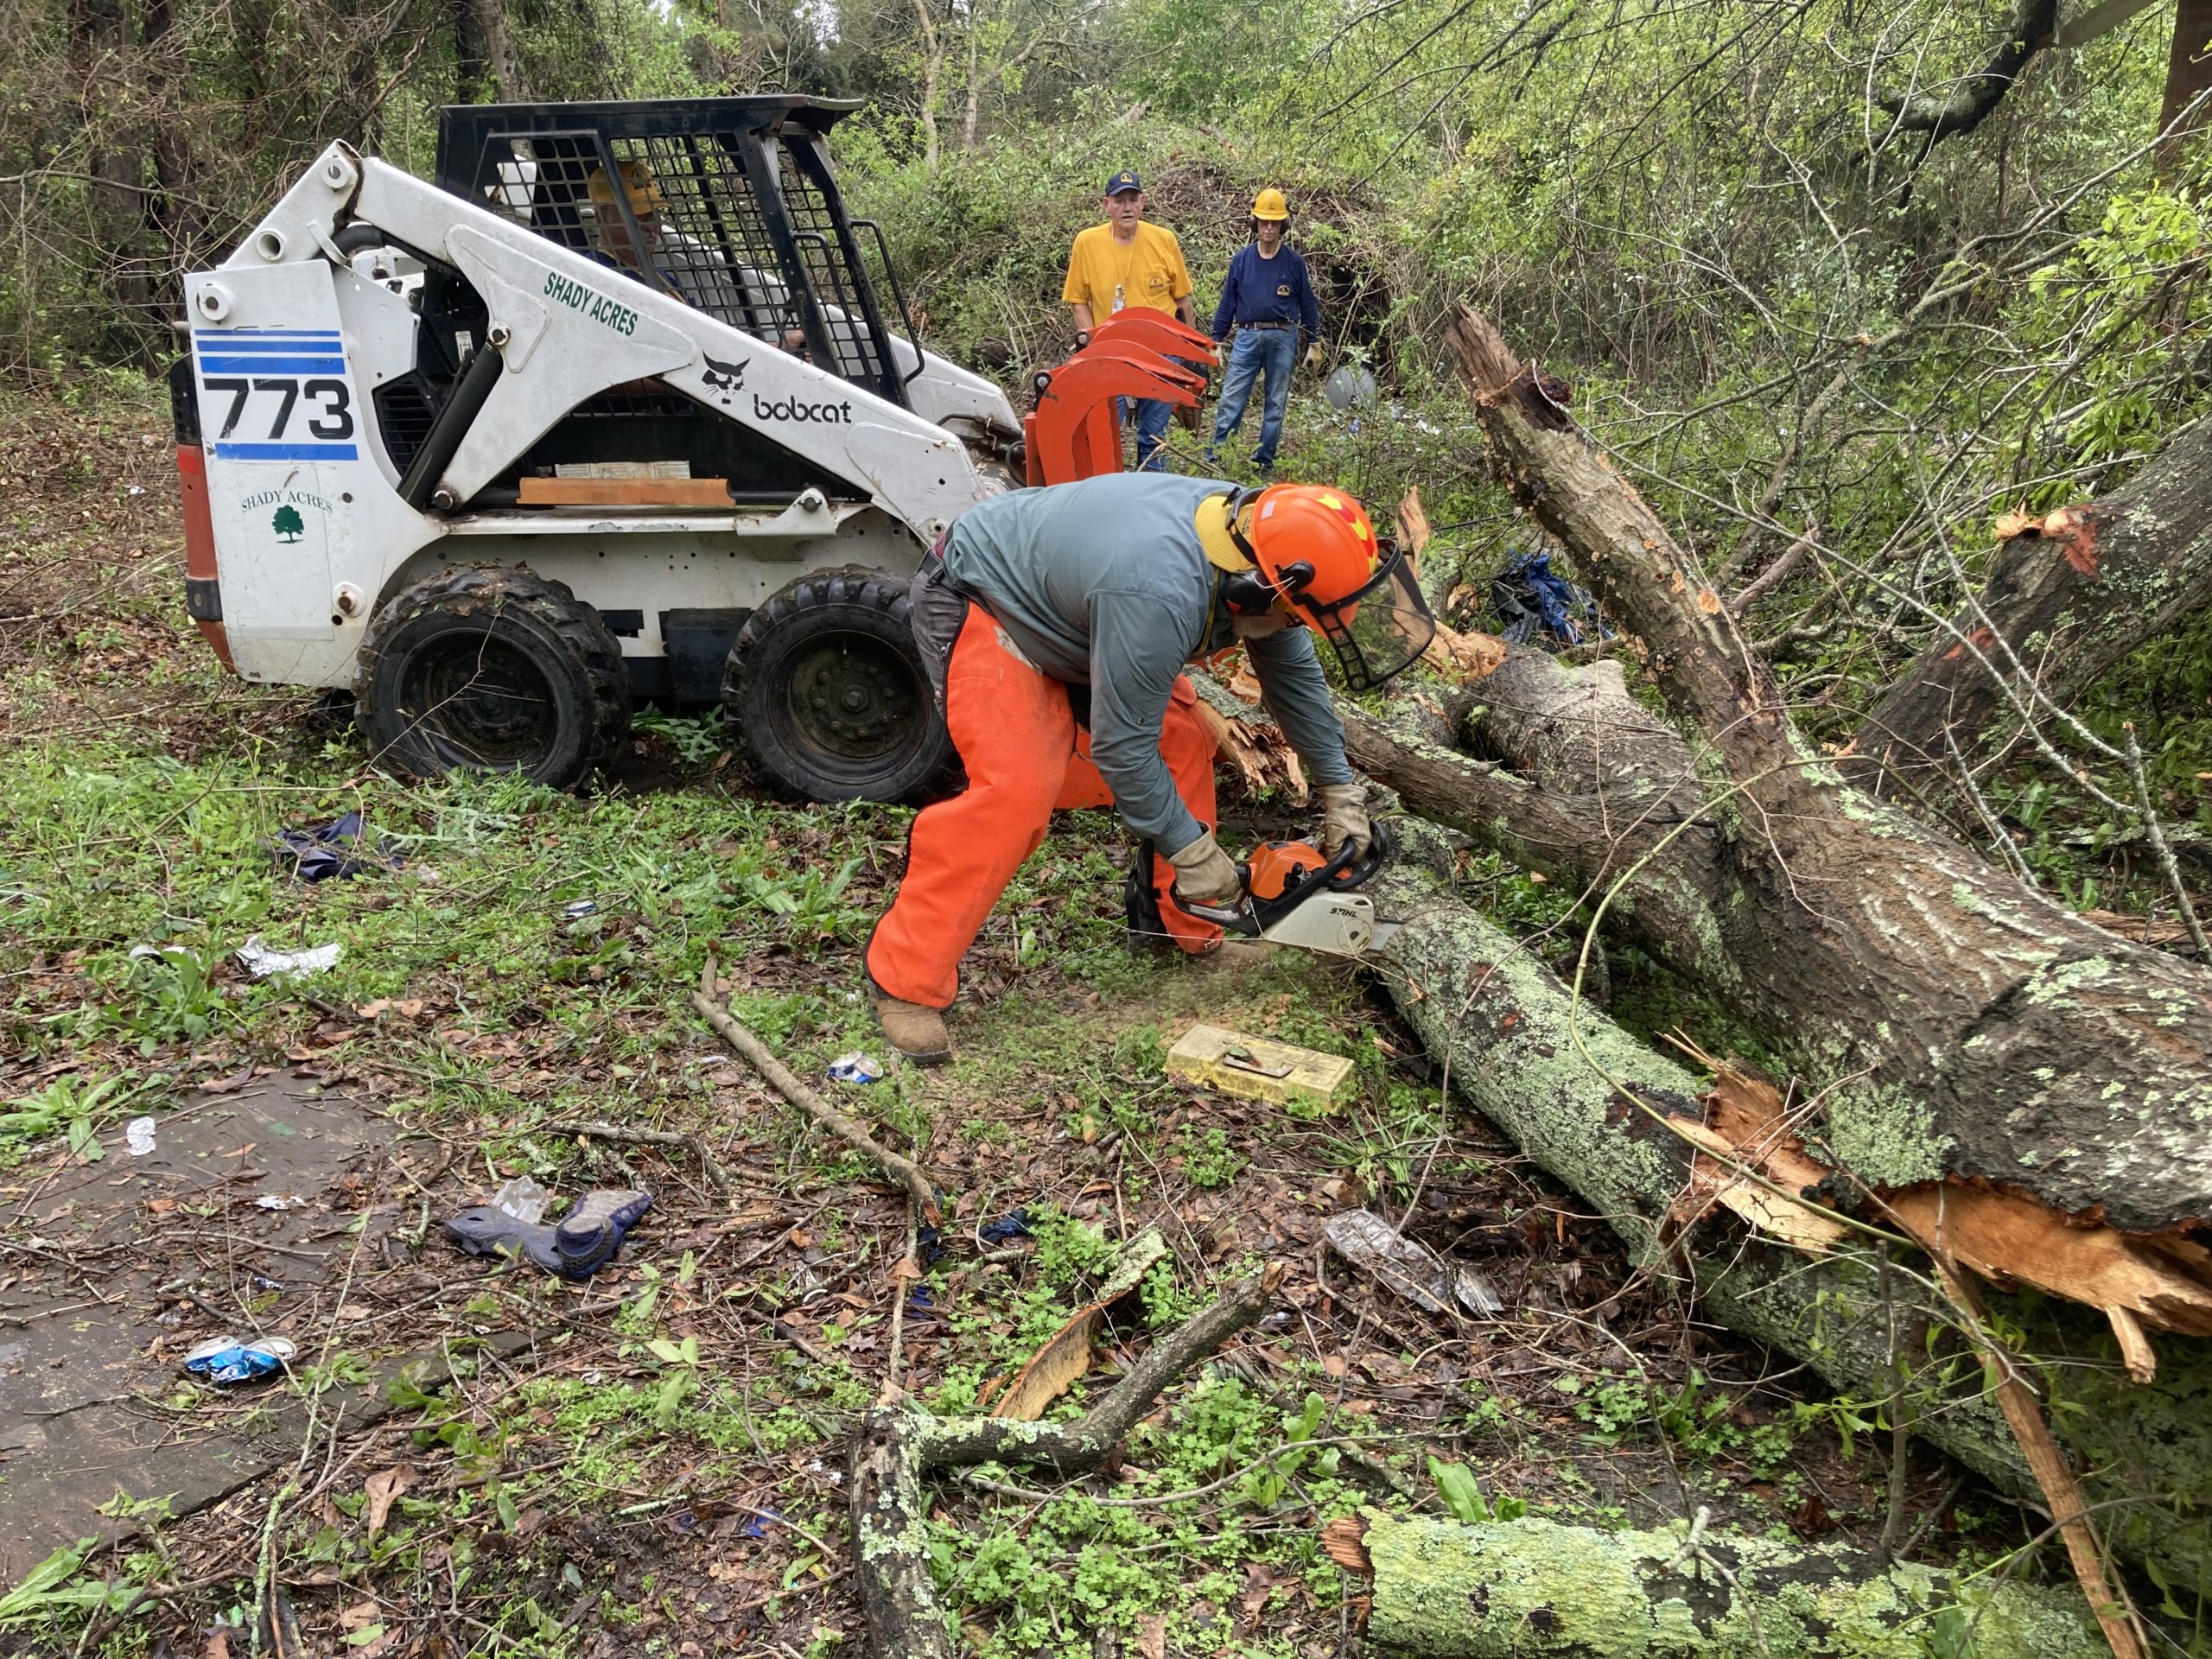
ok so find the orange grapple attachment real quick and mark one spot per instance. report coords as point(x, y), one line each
point(1273, 862)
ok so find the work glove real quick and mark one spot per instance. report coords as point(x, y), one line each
point(1343, 818)
point(1205, 874)
point(1313, 355)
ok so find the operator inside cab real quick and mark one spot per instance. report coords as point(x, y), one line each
point(1046, 612)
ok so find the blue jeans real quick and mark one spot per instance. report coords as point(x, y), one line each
point(1271, 351)
point(1154, 415)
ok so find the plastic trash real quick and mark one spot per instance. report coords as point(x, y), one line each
point(1349, 386)
point(523, 1199)
point(330, 851)
point(575, 1247)
point(225, 1360)
point(1414, 1271)
point(580, 909)
point(1013, 1224)
point(280, 1201)
point(1537, 606)
point(855, 1067)
point(139, 1135)
point(262, 962)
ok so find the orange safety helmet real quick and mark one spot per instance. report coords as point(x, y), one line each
point(1315, 547)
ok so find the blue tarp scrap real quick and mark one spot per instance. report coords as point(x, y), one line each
point(1537, 607)
point(330, 851)
point(1013, 1224)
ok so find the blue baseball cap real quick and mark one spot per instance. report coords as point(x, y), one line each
point(1123, 180)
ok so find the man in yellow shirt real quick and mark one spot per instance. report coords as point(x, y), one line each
point(1125, 262)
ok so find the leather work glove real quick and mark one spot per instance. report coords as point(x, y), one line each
point(1343, 818)
point(1313, 355)
point(1205, 874)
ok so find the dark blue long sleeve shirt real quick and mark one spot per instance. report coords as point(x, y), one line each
point(1267, 290)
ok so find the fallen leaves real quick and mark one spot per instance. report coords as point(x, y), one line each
point(382, 1491)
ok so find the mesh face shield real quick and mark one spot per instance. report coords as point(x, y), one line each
point(1379, 632)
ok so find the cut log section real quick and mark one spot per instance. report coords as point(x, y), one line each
point(1514, 1588)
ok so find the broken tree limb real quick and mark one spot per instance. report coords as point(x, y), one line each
point(2061, 1491)
point(695, 1145)
point(2067, 597)
point(895, 1446)
point(1504, 1590)
point(1485, 1008)
point(1953, 1020)
point(784, 1083)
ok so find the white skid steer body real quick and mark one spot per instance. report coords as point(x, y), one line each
point(320, 516)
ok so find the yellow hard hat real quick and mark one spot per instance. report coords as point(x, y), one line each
point(636, 183)
point(1269, 204)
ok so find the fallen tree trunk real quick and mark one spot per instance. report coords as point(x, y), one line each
point(1620, 1124)
point(2067, 597)
point(1953, 1021)
point(1502, 1590)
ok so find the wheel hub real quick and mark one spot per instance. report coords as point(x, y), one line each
point(481, 702)
point(853, 697)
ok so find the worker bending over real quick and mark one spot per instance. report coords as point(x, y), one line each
point(1044, 611)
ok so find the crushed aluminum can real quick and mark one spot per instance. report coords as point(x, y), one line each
point(226, 1359)
point(580, 909)
point(856, 1067)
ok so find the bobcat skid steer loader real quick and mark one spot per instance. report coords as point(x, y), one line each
point(613, 410)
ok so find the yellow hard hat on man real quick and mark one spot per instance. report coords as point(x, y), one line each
point(1269, 204)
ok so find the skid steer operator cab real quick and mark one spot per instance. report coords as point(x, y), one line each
point(623, 405)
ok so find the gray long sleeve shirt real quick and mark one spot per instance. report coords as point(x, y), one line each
point(1105, 584)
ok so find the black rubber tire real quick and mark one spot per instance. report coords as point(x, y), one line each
point(847, 631)
point(491, 668)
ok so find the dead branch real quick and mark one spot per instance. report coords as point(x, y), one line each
point(896, 1445)
point(788, 1085)
point(695, 1145)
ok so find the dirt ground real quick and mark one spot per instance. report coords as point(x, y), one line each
point(466, 1457)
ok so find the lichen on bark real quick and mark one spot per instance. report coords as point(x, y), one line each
point(1510, 1589)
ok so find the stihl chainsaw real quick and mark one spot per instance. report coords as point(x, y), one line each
point(1295, 894)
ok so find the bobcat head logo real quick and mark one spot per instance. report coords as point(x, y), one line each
point(723, 377)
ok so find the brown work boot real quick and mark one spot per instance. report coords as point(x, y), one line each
point(915, 1031)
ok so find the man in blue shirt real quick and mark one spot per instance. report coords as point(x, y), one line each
point(1269, 299)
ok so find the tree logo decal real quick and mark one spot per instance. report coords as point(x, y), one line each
point(287, 524)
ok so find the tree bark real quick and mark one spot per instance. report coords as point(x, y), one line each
point(1955, 1021)
point(2068, 597)
point(1503, 1590)
point(2188, 74)
point(484, 67)
point(1605, 1115)
point(1978, 95)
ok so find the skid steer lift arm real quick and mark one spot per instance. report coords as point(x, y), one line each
point(565, 326)
point(1072, 433)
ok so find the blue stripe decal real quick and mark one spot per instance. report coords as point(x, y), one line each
point(320, 343)
point(242, 335)
point(272, 366)
point(287, 452)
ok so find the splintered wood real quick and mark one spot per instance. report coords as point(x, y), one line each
point(2163, 1282)
point(1459, 658)
point(1244, 736)
point(1745, 1130)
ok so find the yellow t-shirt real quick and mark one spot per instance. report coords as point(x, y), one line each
point(1105, 276)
